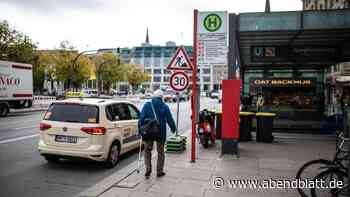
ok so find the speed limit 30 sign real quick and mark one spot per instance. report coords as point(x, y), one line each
point(179, 81)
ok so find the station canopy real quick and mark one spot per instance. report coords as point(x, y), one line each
point(297, 38)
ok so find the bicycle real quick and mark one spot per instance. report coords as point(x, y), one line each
point(313, 167)
point(336, 183)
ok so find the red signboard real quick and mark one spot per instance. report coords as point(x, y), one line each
point(230, 108)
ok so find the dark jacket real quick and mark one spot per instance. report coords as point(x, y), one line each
point(163, 115)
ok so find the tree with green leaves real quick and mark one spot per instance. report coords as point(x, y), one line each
point(65, 69)
point(17, 47)
point(108, 70)
point(135, 75)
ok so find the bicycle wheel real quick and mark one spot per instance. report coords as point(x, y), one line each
point(329, 188)
point(308, 171)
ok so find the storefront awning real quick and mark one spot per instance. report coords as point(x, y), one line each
point(297, 38)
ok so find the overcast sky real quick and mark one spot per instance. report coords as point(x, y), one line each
point(94, 24)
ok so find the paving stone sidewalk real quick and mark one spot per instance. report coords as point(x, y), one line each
point(259, 161)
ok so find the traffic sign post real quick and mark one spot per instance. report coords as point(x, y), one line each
point(179, 82)
point(180, 61)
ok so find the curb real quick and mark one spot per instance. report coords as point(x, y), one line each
point(111, 180)
point(107, 183)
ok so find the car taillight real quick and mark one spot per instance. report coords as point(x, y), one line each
point(207, 126)
point(44, 126)
point(94, 130)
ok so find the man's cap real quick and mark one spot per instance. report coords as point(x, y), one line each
point(158, 93)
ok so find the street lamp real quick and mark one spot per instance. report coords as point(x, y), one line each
point(98, 75)
point(74, 65)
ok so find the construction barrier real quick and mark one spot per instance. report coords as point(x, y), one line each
point(175, 144)
point(43, 101)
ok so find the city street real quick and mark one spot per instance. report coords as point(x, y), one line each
point(25, 173)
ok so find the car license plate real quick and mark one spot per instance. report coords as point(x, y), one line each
point(66, 139)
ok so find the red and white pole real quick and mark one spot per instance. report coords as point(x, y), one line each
point(194, 86)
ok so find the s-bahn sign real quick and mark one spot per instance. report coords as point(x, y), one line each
point(283, 82)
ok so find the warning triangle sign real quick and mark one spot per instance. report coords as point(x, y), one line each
point(180, 61)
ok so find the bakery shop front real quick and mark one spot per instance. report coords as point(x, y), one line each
point(290, 98)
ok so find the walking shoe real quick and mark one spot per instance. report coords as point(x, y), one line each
point(160, 174)
point(147, 174)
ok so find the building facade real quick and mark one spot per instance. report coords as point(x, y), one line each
point(325, 4)
point(155, 60)
point(337, 77)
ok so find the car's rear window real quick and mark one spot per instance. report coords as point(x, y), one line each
point(72, 113)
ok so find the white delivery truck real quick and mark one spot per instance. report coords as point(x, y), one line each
point(16, 86)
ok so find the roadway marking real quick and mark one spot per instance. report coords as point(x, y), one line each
point(19, 128)
point(18, 138)
point(20, 122)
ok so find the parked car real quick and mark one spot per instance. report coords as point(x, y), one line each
point(95, 129)
point(90, 93)
point(169, 96)
point(214, 94)
point(119, 92)
point(183, 96)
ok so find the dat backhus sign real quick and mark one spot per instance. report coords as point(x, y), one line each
point(283, 82)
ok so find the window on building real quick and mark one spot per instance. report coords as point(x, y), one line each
point(166, 71)
point(167, 60)
point(157, 79)
point(157, 71)
point(166, 79)
point(148, 71)
point(156, 86)
point(147, 62)
point(206, 71)
point(156, 61)
point(206, 79)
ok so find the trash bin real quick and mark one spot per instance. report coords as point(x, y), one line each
point(264, 125)
point(245, 126)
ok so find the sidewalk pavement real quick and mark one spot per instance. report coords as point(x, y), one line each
point(258, 161)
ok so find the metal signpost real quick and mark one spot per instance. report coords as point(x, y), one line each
point(179, 81)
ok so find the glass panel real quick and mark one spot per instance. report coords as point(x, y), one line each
point(72, 113)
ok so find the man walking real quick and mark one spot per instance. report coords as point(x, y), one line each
point(164, 117)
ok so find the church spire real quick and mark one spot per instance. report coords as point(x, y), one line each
point(267, 6)
point(147, 38)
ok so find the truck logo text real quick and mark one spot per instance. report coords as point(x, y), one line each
point(7, 80)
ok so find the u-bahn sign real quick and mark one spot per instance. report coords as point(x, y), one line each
point(301, 54)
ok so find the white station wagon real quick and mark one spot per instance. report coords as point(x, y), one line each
point(96, 129)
